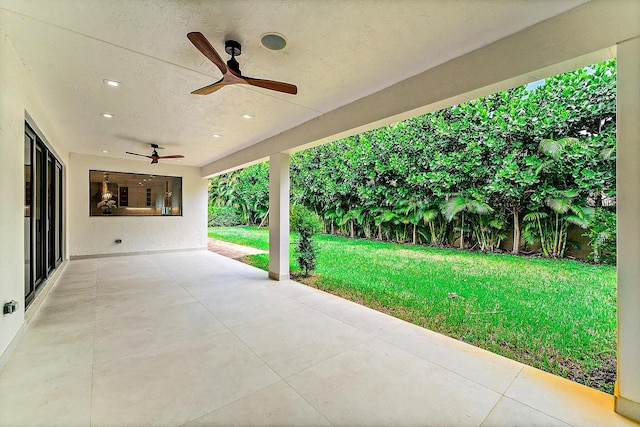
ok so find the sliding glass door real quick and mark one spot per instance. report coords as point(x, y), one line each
point(42, 213)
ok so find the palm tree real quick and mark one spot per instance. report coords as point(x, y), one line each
point(553, 229)
point(412, 212)
point(461, 205)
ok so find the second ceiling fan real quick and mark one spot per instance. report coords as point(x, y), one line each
point(155, 156)
point(231, 70)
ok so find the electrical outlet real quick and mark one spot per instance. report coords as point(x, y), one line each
point(10, 307)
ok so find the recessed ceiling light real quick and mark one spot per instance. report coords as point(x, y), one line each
point(105, 151)
point(273, 41)
point(107, 115)
point(247, 116)
point(111, 83)
point(216, 135)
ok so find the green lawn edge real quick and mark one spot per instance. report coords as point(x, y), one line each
point(556, 315)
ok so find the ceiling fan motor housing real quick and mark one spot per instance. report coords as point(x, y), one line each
point(234, 49)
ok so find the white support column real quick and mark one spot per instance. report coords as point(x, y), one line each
point(627, 393)
point(279, 216)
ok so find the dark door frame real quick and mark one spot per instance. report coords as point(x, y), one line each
point(44, 202)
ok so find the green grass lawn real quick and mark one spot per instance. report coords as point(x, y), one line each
point(557, 315)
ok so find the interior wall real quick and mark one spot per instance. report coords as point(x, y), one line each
point(18, 99)
point(91, 236)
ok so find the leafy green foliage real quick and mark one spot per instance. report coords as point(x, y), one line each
point(602, 236)
point(306, 224)
point(247, 191)
point(223, 216)
point(534, 162)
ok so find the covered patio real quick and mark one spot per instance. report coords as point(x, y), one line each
point(116, 320)
point(194, 338)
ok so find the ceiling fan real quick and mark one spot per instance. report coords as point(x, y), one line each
point(231, 70)
point(155, 156)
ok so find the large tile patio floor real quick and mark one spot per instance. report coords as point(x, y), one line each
point(194, 338)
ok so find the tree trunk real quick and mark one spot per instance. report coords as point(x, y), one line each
point(516, 232)
point(462, 233)
point(380, 232)
point(543, 244)
point(556, 238)
point(351, 228)
point(414, 233)
point(264, 218)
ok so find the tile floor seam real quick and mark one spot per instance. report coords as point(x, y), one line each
point(244, 397)
point(369, 339)
point(377, 334)
point(254, 352)
point(259, 319)
point(502, 396)
point(399, 349)
point(225, 326)
point(538, 410)
point(161, 346)
point(529, 406)
point(229, 328)
point(310, 404)
point(197, 299)
point(108, 318)
point(230, 403)
point(316, 309)
point(449, 370)
point(210, 311)
point(303, 369)
point(514, 378)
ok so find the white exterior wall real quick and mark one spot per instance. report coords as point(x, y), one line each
point(96, 235)
point(17, 98)
point(83, 235)
point(628, 183)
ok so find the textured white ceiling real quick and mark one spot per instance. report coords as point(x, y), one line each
point(339, 51)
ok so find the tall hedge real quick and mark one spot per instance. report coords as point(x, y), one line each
point(528, 163)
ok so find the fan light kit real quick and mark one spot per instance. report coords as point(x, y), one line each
point(231, 73)
point(216, 135)
point(111, 83)
point(247, 116)
point(107, 115)
point(155, 156)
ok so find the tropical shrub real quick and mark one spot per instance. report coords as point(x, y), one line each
point(306, 224)
point(602, 236)
point(223, 216)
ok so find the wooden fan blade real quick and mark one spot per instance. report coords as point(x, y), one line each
point(273, 85)
point(209, 89)
point(136, 154)
point(202, 44)
point(173, 156)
